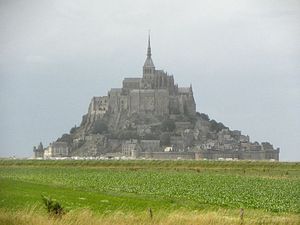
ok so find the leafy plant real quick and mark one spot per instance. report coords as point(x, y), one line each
point(165, 139)
point(53, 207)
point(168, 125)
point(99, 127)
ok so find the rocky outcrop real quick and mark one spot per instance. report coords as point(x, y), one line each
point(152, 109)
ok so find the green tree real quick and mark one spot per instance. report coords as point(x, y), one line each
point(215, 126)
point(168, 125)
point(165, 139)
point(151, 136)
point(99, 127)
point(127, 134)
point(203, 116)
point(73, 129)
point(65, 138)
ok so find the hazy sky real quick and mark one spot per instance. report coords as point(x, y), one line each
point(242, 58)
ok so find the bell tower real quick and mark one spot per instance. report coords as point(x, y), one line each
point(148, 68)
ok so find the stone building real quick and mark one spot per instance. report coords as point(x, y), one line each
point(38, 151)
point(150, 145)
point(57, 149)
point(130, 148)
point(155, 93)
point(133, 116)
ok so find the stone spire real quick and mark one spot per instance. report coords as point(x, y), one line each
point(149, 67)
point(149, 47)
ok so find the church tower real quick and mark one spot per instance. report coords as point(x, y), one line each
point(148, 68)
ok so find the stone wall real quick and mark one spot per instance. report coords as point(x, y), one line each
point(161, 102)
point(167, 155)
point(114, 99)
point(150, 145)
point(241, 155)
point(131, 83)
point(154, 93)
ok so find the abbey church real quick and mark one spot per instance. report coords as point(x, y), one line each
point(155, 92)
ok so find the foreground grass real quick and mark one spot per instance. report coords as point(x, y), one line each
point(138, 189)
point(17, 195)
point(87, 217)
point(178, 192)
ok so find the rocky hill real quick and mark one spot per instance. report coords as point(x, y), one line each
point(151, 117)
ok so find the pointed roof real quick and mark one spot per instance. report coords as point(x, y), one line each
point(149, 47)
point(149, 62)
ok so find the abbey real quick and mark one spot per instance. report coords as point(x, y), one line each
point(155, 92)
point(151, 117)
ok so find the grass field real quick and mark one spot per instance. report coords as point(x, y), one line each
point(121, 192)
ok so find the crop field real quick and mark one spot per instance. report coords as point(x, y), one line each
point(123, 191)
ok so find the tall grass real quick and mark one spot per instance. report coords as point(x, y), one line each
point(86, 217)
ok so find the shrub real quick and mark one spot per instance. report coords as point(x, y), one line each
point(168, 125)
point(53, 207)
point(65, 138)
point(99, 127)
point(151, 136)
point(165, 139)
point(127, 134)
point(203, 116)
point(215, 126)
point(73, 129)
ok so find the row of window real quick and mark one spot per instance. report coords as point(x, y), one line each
point(60, 151)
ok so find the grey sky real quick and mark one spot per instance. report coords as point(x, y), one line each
point(242, 58)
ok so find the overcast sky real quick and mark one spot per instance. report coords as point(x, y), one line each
point(242, 58)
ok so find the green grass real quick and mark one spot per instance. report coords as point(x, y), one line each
point(134, 186)
point(245, 168)
point(19, 195)
point(157, 163)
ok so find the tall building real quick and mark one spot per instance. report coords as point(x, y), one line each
point(154, 92)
